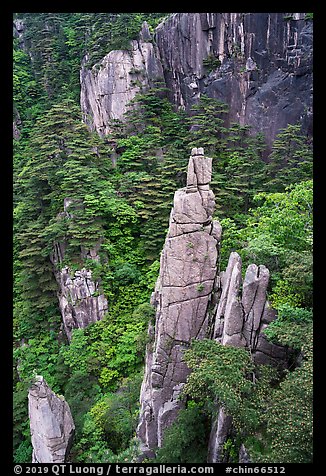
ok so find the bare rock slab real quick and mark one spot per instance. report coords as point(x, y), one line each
point(51, 424)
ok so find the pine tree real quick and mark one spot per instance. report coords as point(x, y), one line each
point(290, 161)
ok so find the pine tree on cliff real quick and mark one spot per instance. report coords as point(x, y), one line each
point(65, 165)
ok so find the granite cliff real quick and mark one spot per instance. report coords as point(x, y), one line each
point(79, 296)
point(182, 297)
point(260, 64)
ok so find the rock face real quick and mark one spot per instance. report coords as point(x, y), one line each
point(80, 300)
point(18, 30)
point(79, 305)
point(260, 64)
point(243, 312)
point(182, 296)
point(194, 301)
point(262, 70)
point(107, 88)
point(241, 317)
point(51, 424)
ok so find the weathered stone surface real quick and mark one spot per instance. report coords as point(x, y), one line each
point(220, 431)
point(51, 424)
point(80, 299)
point(265, 75)
point(19, 28)
point(243, 455)
point(242, 315)
point(183, 291)
point(77, 304)
point(109, 86)
point(243, 311)
point(265, 71)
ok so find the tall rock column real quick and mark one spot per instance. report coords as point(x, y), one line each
point(51, 424)
point(182, 296)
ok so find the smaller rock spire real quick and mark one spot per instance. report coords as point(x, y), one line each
point(199, 173)
point(51, 424)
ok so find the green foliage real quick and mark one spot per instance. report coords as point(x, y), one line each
point(260, 401)
point(21, 431)
point(291, 326)
point(291, 159)
point(185, 441)
point(110, 424)
point(38, 356)
point(289, 426)
point(23, 452)
point(220, 377)
point(211, 63)
point(81, 392)
point(279, 234)
point(207, 125)
point(121, 191)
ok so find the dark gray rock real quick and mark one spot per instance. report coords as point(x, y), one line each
point(243, 455)
point(265, 74)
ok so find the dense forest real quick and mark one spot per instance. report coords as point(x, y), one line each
point(122, 187)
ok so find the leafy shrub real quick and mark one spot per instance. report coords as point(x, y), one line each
point(185, 441)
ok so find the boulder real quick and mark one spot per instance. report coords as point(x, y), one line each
point(51, 424)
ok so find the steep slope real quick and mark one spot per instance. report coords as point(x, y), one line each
point(260, 64)
point(109, 86)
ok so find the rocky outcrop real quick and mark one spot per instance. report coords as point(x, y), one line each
point(242, 315)
point(243, 312)
point(19, 28)
point(220, 432)
point(193, 301)
point(109, 86)
point(182, 296)
point(260, 64)
point(80, 300)
point(51, 424)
